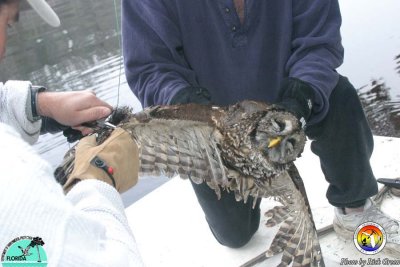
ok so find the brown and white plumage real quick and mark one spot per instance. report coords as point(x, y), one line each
point(228, 148)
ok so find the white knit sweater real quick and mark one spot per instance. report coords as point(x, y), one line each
point(87, 227)
point(14, 108)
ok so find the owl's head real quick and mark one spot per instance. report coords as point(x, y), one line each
point(268, 132)
point(279, 136)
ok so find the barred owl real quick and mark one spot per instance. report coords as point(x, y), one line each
point(247, 148)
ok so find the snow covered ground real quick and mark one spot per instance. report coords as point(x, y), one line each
point(170, 228)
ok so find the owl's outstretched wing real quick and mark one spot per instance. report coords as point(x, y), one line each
point(226, 148)
point(297, 235)
point(187, 148)
point(172, 140)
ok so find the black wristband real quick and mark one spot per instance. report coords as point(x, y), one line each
point(34, 94)
point(52, 126)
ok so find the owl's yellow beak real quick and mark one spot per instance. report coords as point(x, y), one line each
point(274, 142)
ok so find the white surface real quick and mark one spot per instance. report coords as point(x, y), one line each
point(170, 228)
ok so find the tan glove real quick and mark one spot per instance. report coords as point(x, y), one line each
point(115, 162)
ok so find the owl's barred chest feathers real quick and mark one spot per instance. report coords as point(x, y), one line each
point(241, 149)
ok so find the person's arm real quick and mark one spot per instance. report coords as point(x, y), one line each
point(22, 108)
point(317, 50)
point(155, 66)
point(101, 203)
point(88, 227)
point(15, 97)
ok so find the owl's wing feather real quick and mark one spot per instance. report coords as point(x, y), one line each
point(297, 236)
point(184, 140)
point(187, 148)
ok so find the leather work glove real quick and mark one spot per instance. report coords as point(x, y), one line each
point(197, 95)
point(115, 161)
point(297, 97)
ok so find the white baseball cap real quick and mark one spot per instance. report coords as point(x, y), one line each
point(45, 12)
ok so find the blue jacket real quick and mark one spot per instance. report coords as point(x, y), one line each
point(172, 44)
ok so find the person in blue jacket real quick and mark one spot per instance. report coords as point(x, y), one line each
point(283, 52)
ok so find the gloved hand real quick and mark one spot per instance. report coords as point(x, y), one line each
point(115, 161)
point(297, 97)
point(198, 95)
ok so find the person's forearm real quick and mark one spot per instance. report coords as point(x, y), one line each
point(156, 69)
point(45, 101)
point(102, 203)
point(89, 222)
point(316, 48)
point(15, 109)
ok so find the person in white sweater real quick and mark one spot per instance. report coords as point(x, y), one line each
point(86, 226)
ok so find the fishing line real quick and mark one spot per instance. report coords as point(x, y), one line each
point(117, 25)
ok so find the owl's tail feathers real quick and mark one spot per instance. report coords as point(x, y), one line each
point(296, 238)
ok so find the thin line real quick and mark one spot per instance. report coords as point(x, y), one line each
point(120, 49)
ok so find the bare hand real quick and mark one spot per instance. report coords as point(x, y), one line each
point(72, 108)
